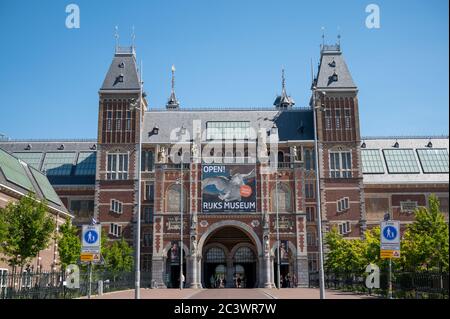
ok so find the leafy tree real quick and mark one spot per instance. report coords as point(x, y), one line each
point(29, 229)
point(69, 244)
point(425, 242)
point(118, 257)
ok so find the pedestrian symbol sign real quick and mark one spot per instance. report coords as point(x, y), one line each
point(390, 232)
point(91, 239)
point(390, 239)
point(91, 236)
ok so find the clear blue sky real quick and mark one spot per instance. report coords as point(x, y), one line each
point(227, 53)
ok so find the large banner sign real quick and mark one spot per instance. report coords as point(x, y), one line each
point(228, 188)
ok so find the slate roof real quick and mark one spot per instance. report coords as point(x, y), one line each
point(405, 143)
point(16, 175)
point(293, 124)
point(332, 61)
point(123, 64)
point(75, 176)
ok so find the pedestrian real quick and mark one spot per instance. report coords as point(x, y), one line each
point(288, 281)
point(239, 281)
point(294, 280)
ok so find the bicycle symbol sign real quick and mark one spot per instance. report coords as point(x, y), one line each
point(390, 232)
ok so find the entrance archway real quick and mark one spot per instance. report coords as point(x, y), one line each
point(229, 253)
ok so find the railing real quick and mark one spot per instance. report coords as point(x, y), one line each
point(51, 285)
point(405, 285)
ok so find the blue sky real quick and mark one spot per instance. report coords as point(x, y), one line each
point(227, 53)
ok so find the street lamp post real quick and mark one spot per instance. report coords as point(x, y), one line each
point(137, 105)
point(182, 132)
point(318, 204)
point(278, 231)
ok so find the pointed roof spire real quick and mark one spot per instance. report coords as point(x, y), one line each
point(283, 100)
point(116, 35)
point(133, 36)
point(173, 103)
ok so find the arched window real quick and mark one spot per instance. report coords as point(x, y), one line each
point(244, 255)
point(284, 199)
point(174, 197)
point(215, 255)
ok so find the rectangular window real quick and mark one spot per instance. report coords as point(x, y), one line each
point(82, 208)
point(347, 119)
point(149, 192)
point(343, 204)
point(340, 164)
point(147, 240)
point(146, 262)
point(117, 166)
point(108, 120)
point(338, 119)
point(345, 228)
point(408, 206)
point(118, 120)
point(227, 130)
point(116, 206)
point(310, 214)
point(328, 119)
point(147, 214)
point(128, 123)
point(148, 161)
point(309, 190)
point(115, 230)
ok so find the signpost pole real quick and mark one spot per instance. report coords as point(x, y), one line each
point(90, 279)
point(390, 278)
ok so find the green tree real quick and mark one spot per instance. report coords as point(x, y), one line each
point(118, 257)
point(425, 242)
point(344, 255)
point(69, 245)
point(29, 229)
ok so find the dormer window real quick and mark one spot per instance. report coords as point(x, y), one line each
point(61, 147)
point(120, 78)
point(334, 77)
point(332, 64)
point(121, 65)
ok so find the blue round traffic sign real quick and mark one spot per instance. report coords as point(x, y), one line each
point(90, 236)
point(390, 232)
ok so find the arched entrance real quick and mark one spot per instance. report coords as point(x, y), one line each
point(229, 253)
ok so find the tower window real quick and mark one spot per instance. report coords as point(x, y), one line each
point(120, 78)
point(117, 166)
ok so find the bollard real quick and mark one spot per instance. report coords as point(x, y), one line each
point(100, 287)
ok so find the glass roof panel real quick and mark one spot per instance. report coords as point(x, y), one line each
point(32, 159)
point(14, 171)
point(433, 160)
point(401, 161)
point(372, 162)
point(58, 163)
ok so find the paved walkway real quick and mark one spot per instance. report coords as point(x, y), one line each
point(258, 293)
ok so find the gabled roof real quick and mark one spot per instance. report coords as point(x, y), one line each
point(19, 178)
point(332, 62)
point(123, 73)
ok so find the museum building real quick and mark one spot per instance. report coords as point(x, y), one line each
point(224, 175)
